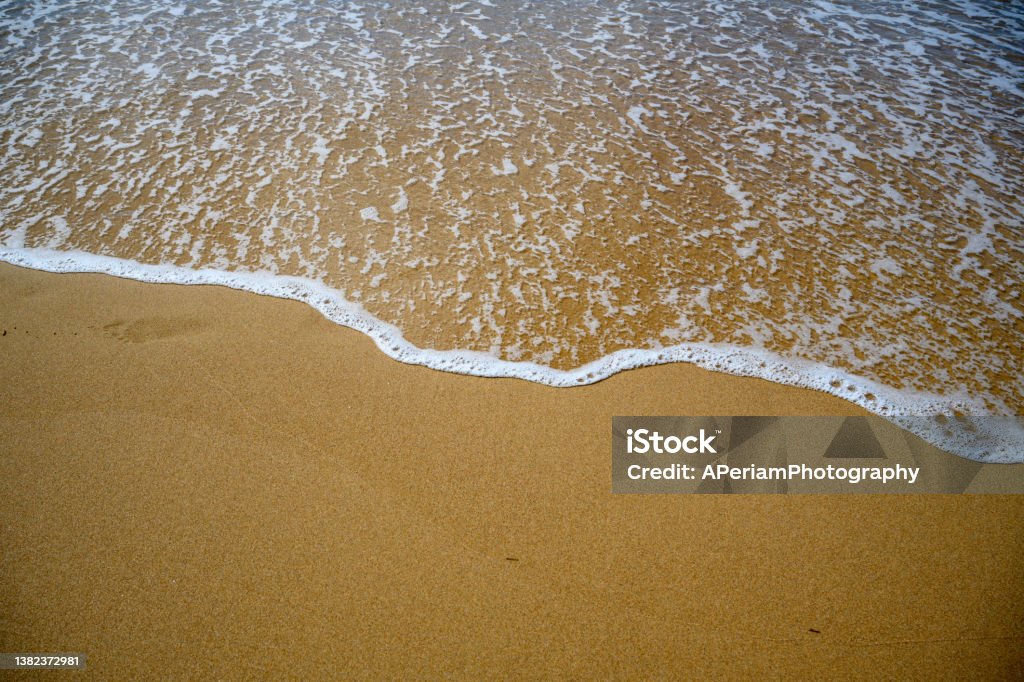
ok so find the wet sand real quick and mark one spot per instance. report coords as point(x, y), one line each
point(203, 483)
point(554, 182)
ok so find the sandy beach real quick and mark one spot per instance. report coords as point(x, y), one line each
point(220, 476)
point(202, 483)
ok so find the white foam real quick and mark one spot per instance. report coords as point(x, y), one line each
point(902, 407)
point(402, 202)
point(507, 168)
point(877, 168)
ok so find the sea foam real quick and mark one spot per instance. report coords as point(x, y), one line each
point(825, 194)
point(997, 441)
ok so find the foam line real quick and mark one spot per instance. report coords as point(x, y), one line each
point(997, 441)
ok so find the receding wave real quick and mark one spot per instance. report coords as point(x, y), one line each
point(821, 194)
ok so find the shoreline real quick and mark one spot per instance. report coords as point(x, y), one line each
point(200, 482)
point(875, 398)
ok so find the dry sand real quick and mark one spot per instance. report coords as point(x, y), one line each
point(202, 483)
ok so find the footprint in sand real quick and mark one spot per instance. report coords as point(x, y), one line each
point(151, 329)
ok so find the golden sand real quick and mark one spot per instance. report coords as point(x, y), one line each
point(202, 483)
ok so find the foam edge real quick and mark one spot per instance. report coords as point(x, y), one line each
point(984, 440)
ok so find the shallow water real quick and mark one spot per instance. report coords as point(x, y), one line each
point(832, 190)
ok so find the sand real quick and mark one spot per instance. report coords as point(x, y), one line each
point(203, 483)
